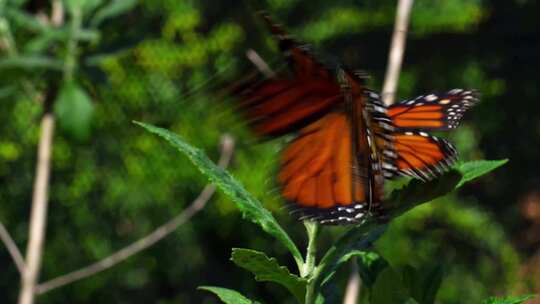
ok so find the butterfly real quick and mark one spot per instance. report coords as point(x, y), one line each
point(346, 142)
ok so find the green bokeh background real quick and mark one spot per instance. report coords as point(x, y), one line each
point(166, 62)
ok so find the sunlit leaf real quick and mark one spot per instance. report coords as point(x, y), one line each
point(251, 208)
point(267, 269)
point(228, 296)
point(474, 169)
point(112, 9)
point(509, 300)
point(86, 5)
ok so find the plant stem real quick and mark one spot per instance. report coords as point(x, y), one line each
point(38, 219)
point(6, 37)
point(71, 56)
point(308, 270)
point(7, 43)
point(397, 48)
point(40, 198)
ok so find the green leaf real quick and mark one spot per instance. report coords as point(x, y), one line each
point(422, 284)
point(28, 21)
point(430, 284)
point(509, 300)
point(267, 269)
point(356, 239)
point(228, 296)
point(475, 169)
point(389, 288)
point(417, 192)
point(370, 265)
point(113, 9)
point(31, 62)
point(86, 5)
point(74, 110)
point(7, 91)
point(250, 207)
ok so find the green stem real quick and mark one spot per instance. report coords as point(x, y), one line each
point(6, 37)
point(8, 42)
point(309, 268)
point(71, 54)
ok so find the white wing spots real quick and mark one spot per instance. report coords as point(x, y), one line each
point(423, 134)
point(339, 215)
point(409, 133)
point(431, 97)
point(389, 153)
point(444, 101)
point(373, 95)
point(388, 166)
point(359, 216)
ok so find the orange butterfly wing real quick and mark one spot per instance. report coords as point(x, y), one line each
point(420, 155)
point(280, 106)
point(433, 111)
point(412, 151)
point(285, 103)
point(319, 174)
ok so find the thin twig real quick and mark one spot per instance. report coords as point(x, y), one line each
point(393, 69)
point(57, 13)
point(38, 218)
point(259, 63)
point(354, 284)
point(397, 48)
point(227, 149)
point(12, 248)
point(40, 197)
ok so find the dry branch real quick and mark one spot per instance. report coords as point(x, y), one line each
point(12, 248)
point(38, 217)
point(397, 48)
point(260, 63)
point(353, 285)
point(227, 149)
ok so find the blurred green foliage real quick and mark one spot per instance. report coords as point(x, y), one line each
point(166, 62)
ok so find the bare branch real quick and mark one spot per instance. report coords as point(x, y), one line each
point(12, 248)
point(57, 13)
point(397, 48)
point(259, 63)
point(38, 217)
point(354, 284)
point(227, 149)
